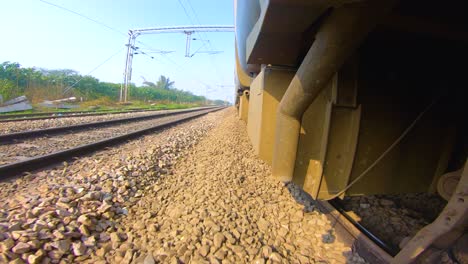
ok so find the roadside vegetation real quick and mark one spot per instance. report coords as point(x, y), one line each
point(39, 84)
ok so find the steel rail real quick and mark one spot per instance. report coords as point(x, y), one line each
point(387, 248)
point(8, 138)
point(5, 116)
point(13, 169)
point(50, 115)
point(58, 116)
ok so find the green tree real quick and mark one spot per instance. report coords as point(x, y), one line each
point(164, 83)
point(39, 84)
point(13, 79)
point(7, 89)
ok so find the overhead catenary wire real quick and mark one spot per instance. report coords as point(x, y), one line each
point(165, 56)
point(193, 24)
point(205, 36)
point(115, 30)
point(86, 17)
point(212, 49)
point(198, 21)
point(197, 50)
point(179, 67)
point(185, 11)
point(94, 69)
point(93, 20)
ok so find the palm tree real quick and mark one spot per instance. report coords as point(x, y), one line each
point(164, 83)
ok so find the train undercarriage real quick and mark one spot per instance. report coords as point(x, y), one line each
point(357, 98)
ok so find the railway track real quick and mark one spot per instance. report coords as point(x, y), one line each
point(5, 138)
point(356, 236)
point(29, 125)
point(57, 115)
point(347, 229)
point(378, 226)
point(106, 137)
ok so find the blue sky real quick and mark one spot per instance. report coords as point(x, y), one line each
point(37, 34)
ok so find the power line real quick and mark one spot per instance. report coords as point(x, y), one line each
point(208, 40)
point(124, 34)
point(198, 21)
point(191, 22)
point(178, 66)
point(91, 19)
point(86, 17)
point(150, 48)
point(94, 69)
point(186, 13)
point(182, 68)
point(101, 24)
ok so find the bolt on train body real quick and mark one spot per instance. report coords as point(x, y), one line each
point(348, 98)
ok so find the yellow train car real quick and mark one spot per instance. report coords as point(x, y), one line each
point(352, 98)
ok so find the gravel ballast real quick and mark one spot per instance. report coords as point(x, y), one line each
point(28, 125)
point(28, 148)
point(395, 218)
point(220, 206)
point(71, 212)
point(194, 193)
